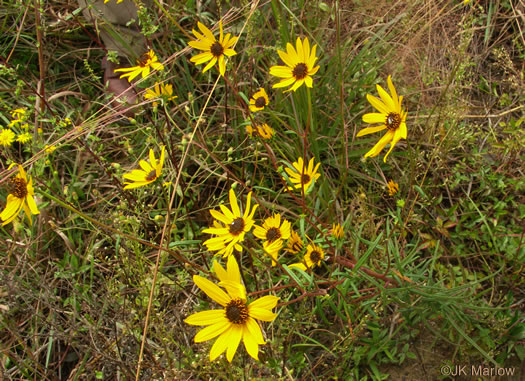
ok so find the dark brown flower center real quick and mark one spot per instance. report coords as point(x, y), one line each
point(272, 234)
point(237, 312)
point(393, 121)
point(260, 102)
point(237, 226)
point(315, 256)
point(305, 179)
point(19, 187)
point(300, 71)
point(152, 175)
point(216, 49)
point(143, 60)
point(297, 246)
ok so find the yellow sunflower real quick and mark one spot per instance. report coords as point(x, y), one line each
point(302, 176)
point(313, 257)
point(337, 231)
point(149, 173)
point(391, 117)
point(295, 243)
point(259, 100)
point(299, 65)
point(147, 62)
point(263, 130)
point(236, 321)
point(214, 50)
point(22, 196)
point(273, 232)
point(232, 226)
point(393, 188)
point(160, 90)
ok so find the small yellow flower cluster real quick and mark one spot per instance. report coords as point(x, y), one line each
point(65, 123)
point(17, 129)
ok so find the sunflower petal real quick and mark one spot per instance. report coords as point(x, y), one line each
point(370, 130)
point(380, 144)
point(220, 344)
point(236, 333)
point(206, 317)
point(250, 343)
point(212, 290)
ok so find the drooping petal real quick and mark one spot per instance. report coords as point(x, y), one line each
point(284, 83)
point(27, 212)
point(403, 130)
point(314, 70)
point(250, 343)
point(220, 344)
point(210, 65)
point(201, 58)
point(299, 266)
point(222, 65)
point(212, 331)
point(308, 81)
point(370, 130)
point(380, 144)
point(255, 331)
point(12, 208)
point(234, 340)
point(397, 136)
point(32, 204)
point(136, 184)
point(296, 85)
